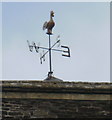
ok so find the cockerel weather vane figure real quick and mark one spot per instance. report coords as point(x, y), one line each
point(49, 26)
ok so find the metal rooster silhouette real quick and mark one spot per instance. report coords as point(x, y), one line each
point(49, 25)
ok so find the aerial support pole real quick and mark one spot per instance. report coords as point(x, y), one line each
point(50, 64)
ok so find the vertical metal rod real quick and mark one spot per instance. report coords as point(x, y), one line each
point(50, 57)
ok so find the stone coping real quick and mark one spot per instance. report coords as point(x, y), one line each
point(56, 87)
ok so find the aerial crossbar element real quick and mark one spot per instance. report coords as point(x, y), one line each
point(51, 48)
point(68, 51)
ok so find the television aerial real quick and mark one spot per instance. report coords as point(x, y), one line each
point(43, 51)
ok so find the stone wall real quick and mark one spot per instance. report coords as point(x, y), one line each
point(44, 108)
point(38, 99)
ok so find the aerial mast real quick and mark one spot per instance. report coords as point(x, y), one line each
point(49, 26)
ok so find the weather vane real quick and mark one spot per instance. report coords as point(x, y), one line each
point(49, 26)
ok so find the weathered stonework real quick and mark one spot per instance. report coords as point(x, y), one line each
point(38, 99)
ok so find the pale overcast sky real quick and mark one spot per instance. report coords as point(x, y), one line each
point(84, 27)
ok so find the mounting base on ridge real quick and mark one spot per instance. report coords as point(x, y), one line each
point(52, 79)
